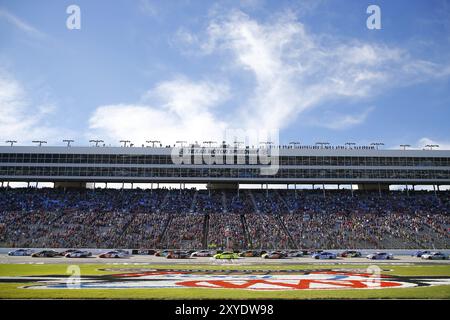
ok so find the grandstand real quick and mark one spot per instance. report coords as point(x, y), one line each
point(371, 216)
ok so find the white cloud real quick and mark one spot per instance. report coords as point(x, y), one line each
point(179, 109)
point(343, 121)
point(443, 145)
point(148, 8)
point(292, 68)
point(21, 119)
point(20, 24)
point(295, 70)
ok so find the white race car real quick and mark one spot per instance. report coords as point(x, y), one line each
point(78, 254)
point(21, 252)
point(380, 256)
point(202, 253)
point(434, 256)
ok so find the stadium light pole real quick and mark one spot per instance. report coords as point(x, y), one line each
point(377, 144)
point(96, 141)
point(181, 142)
point(68, 141)
point(266, 143)
point(404, 146)
point(237, 144)
point(11, 142)
point(153, 142)
point(124, 142)
point(209, 143)
point(40, 142)
point(322, 144)
point(431, 146)
point(294, 143)
point(350, 144)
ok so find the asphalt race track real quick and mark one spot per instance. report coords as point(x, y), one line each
point(147, 259)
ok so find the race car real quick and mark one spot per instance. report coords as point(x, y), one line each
point(46, 254)
point(20, 252)
point(226, 255)
point(178, 255)
point(162, 253)
point(419, 254)
point(323, 255)
point(202, 253)
point(148, 252)
point(435, 256)
point(78, 254)
point(380, 256)
point(63, 254)
point(114, 254)
point(294, 253)
point(251, 253)
point(351, 254)
point(274, 255)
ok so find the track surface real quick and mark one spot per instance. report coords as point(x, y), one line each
point(145, 259)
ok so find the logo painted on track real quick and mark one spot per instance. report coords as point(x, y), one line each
point(231, 279)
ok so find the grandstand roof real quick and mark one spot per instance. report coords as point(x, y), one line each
point(311, 151)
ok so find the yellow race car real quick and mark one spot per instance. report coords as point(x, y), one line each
point(226, 255)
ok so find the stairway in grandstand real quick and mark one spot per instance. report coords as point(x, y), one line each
point(280, 221)
point(224, 202)
point(252, 198)
point(165, 228)
point(205, 231)
point(194, 201)
point(123, 232)
point(286, 231)
point(248, 240)
point(164, 202)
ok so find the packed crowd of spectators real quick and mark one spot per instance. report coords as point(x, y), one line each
point(366, 220)
point(188, 218)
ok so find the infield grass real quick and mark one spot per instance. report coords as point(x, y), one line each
point(14, 290)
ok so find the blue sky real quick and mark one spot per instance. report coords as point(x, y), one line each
point(188, 70)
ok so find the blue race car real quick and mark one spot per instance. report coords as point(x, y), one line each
point(323, 255)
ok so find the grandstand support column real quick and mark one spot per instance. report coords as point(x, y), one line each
point(379, 189)
point(323, 188)
point(28, 184)
point(267, 190)
point(407, 190)
point(351, 188)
